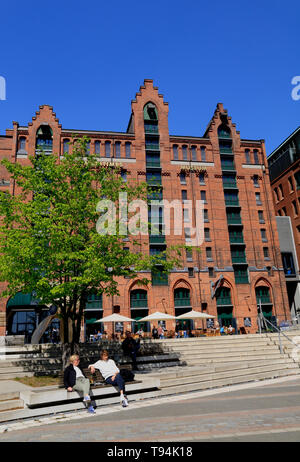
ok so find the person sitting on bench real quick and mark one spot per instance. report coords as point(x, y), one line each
point(74, 379)
point(111, 374)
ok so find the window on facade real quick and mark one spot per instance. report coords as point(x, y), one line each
point(255, 180)
point(201, 178)
point(205, 215)
point(208, 253)
point(22, 143)
point(124, 175)
point(211, 272)
point(266, 252)
point(182, 178)
point(184, 153)
point(107, 148)
point(66, 145)
point(258, 198)
point(203, 153)
point(194, 153)
point(288, 264)
point(186, 217)
point(207, 234)
point(189, 255)
point(184, 194)
point(118, 148)
point(261, 216)
point(127, 150)
point(97, 147)
point(247, 156)
point(203, 195)
point(87, 148)
point(191, 272)
point(187, 234)
point(263, 235)
point(175, 152)
point(255, 155)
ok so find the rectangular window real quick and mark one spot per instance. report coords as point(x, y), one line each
point(189, 255)
point(186, 217)
point(258, 199)
point(261, 216)
point(203, 195)
point(255, 181)
point(191, 272)
point(184, 194)
point(184, 153)
point(288, 264)
point(208, 254)
point(124, 175)
point(205, 215)
point(201, 178)
point(182, 178)
point(87, 148)
point(66, 146)
point(266, 252)
point(211, 272)
point(207, 234)
point(187, 234)
point(203, 153)
point(263, 235)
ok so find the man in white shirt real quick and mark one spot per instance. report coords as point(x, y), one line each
point(111, 374)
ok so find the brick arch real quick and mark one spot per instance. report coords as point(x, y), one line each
point(181, 283)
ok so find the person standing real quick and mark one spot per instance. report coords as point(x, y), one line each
point(130, 347)
point(74, 380)
point(111, 374)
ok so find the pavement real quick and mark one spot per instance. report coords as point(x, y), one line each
point(267, 411)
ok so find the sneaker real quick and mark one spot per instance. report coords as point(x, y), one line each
point(124, 402)
point(87, 398)
point(91, 410)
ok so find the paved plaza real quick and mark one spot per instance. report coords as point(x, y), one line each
point(256, 412)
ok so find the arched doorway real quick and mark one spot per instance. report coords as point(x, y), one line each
point(182, 305)
point(139, 309)
point(265, 304)
point(225, 307)
point(93, 312)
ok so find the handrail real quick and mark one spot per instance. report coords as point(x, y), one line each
point(279, 332)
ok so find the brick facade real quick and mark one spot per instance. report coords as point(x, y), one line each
point(244, 263)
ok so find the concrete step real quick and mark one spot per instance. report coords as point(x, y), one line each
point(220, 348)
point(203, 377)
point(232, 359)
point(12, 375)
point(228, 381)
point(11, 404)
point(228, 353)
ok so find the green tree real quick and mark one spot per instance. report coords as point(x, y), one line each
point(48, 237)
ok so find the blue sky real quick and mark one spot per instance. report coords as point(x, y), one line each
point(88, 60)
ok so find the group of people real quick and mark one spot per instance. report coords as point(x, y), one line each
point(74, 378)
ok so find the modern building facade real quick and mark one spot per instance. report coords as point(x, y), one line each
point(240, 255)
point(284, 167)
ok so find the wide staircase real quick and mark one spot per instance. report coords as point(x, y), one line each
point(213, 362)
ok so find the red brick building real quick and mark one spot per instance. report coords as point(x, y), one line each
point(228, 173)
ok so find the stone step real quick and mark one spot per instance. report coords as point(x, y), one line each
point(11, 404)
point(228, 381)
point(229, 351)
point(205, 376)
point(233, 359)
point(9, 395)
point(13, 375)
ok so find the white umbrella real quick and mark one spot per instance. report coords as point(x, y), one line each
point(115, 317)
point(157, 316)
point(195, 315)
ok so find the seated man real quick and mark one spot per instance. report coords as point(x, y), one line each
point(130, 348)
point(111, 374)
point(74, 380)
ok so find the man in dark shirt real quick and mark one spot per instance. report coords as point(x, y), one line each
point(130, 348)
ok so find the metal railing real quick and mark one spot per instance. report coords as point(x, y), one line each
point(264, 321)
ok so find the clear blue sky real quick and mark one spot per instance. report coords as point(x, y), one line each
point(88, 60)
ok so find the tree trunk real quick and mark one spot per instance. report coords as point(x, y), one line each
point(69, 349)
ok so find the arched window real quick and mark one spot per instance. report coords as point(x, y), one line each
point(97, 147)
point(150, 112)
point(128, 149)
point(184, 153)
point(118, 149)
point(224, 131)
point(138, 298)
point(175, 152)
point(44, 139)
point(107, 148)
